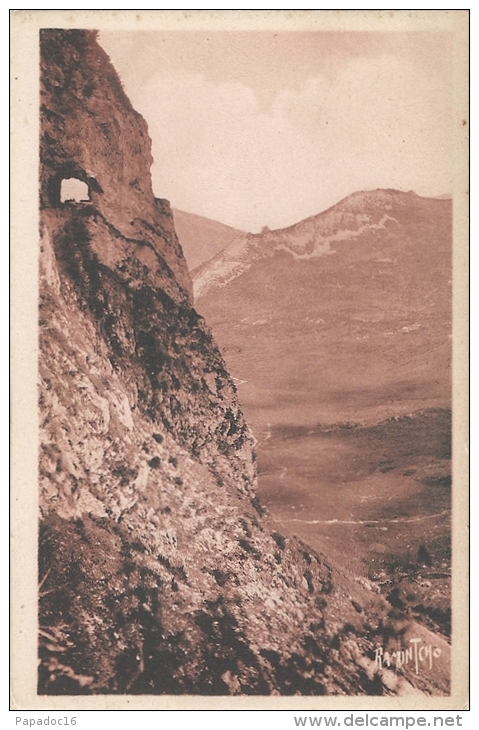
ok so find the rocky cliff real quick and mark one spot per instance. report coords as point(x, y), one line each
point(159, 571)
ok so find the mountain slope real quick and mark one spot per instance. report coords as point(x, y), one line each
point(365, 286)
point(201, 238)
point(338, 333)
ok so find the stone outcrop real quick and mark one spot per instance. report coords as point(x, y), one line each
point(159, 571)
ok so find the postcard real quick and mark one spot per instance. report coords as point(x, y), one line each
point(240, 315)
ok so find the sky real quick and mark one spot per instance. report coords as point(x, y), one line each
point(259, 128)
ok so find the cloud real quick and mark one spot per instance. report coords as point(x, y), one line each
point(374, 122)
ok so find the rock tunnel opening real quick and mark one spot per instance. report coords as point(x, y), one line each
point(70, 184)
point(73, 190)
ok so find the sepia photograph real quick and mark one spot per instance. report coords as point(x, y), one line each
point(246, 443)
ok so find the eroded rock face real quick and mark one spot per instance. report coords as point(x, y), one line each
point(91, 132)
point(159, 571)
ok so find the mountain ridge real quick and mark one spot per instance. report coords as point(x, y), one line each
point(311, 237)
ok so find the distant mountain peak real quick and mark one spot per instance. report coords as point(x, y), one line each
point(359, 215)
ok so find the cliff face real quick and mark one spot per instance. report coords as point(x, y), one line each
point(158, 570)
point(91, 132)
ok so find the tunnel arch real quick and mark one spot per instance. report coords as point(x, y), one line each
point(71, 184)
point(74, 190)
